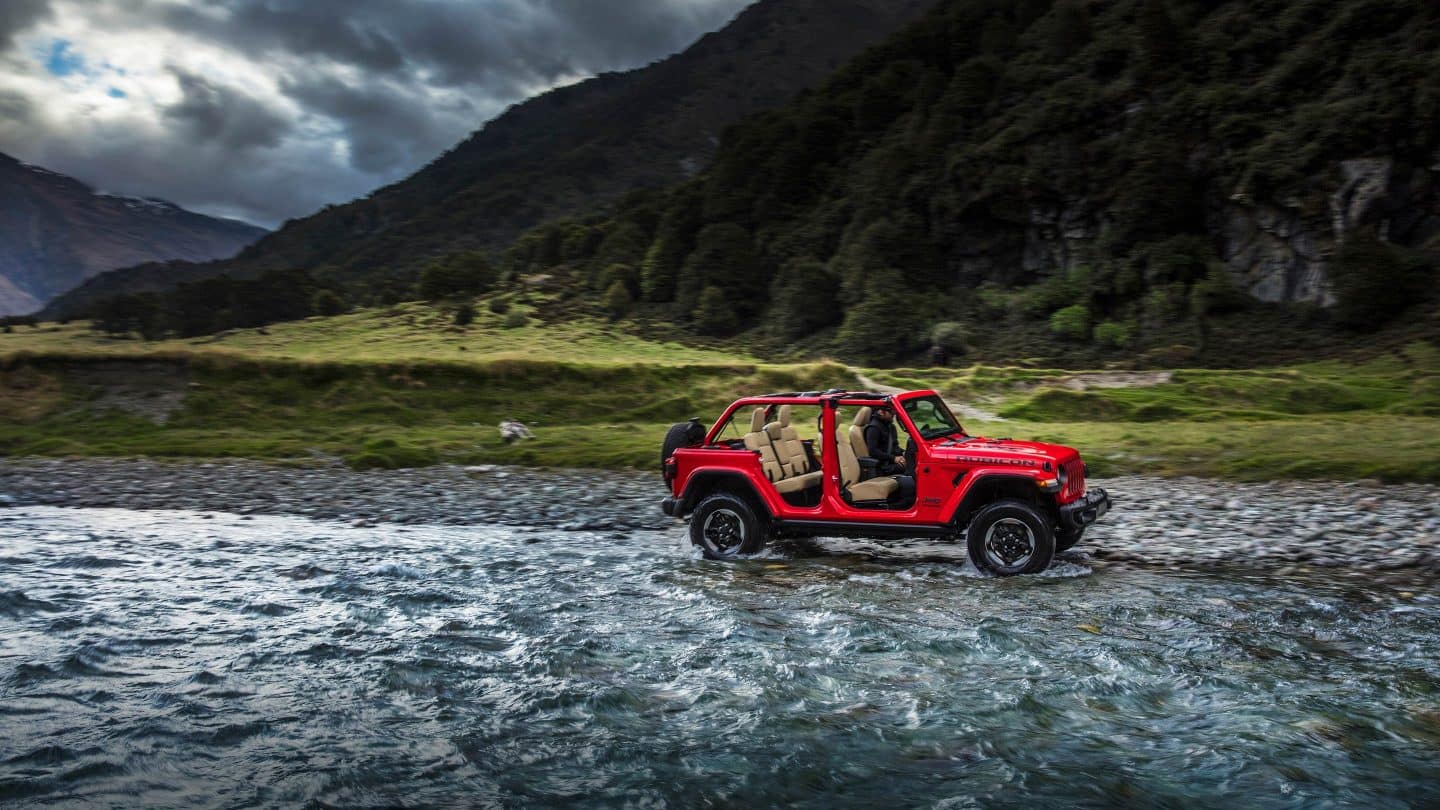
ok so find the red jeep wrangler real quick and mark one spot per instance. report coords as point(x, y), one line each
point(797, 465)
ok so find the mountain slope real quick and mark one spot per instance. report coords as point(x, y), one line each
point(1066, 177)
point(56, 232)
point(566, 151)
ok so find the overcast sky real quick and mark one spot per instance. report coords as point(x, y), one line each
point(269, 109)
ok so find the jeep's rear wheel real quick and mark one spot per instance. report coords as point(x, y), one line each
point(725, 526)
point(1010, 537)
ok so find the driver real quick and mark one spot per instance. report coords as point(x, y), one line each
point(884, 443)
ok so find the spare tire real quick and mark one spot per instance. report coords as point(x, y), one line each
point(681, 434)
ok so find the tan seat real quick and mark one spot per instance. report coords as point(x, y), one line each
point(758, 441)
point(791, 449)
point(794, 480)
point(851, 447)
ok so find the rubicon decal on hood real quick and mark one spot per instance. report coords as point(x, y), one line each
point(1014, 462)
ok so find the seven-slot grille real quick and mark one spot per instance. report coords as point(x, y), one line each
point(1075, 483)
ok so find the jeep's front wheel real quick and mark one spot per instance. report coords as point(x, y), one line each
point(725, 526)
point(1010, 537)
point(1065, 539)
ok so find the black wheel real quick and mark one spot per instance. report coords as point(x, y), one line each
point(1010, 537)
point(1066, 538)
point(725, 526)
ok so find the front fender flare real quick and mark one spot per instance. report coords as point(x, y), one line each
point(982, 486)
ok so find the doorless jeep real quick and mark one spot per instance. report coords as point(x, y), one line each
point(753, 476)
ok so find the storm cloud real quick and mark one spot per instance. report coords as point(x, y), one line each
point(269, 109)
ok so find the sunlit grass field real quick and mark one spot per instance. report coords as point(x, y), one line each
point(403, 386)
point(403, 333)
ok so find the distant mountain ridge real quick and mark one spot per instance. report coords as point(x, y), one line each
point(56, 232)
point(564, 152)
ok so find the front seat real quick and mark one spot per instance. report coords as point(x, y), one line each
point(851, 449)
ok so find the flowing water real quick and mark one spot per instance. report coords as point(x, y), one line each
point(181, 659)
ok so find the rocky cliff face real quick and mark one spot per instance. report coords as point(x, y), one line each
point(1275, 251)
point(56, 232)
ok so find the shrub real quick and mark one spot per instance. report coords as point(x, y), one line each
point(392, 457)
point(1072, 322)
point(327, 302)
point(802, 299)
point(871, 332)
point(515, 320)
point(951, 336)
point(499, 306)
point(617, 300)
point(465, 314)
point(713, 314)
point(1114, 334)
point(1373, 281)
point(455, 275)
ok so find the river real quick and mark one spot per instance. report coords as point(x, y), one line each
point(183, 658)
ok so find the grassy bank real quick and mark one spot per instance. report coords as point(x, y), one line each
point(403, 387)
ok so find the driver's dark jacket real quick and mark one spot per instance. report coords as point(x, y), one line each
point(883, 441)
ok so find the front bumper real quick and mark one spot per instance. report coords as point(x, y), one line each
point(1089, 508)
point(671, 507)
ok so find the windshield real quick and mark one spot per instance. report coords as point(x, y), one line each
point(931, 417)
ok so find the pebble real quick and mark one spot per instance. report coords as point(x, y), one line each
point(1154, 521)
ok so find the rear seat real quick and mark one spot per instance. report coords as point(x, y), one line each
point(790, 446)
point(758, 440)
point(774, 459)
point(795, 477)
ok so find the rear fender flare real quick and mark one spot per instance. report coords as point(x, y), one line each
point(706, 480)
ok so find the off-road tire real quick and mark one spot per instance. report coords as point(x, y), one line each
point(1000, 532)
point(680, 434)
point(724, 514)
point(1065, 539)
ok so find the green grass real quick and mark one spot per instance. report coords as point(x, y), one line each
point(1379, 419)
point(391, 389)
point(404, 333)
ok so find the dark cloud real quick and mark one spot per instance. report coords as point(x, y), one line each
point(18, 15)
point(387, 126)
point(15, 108)
point(225, 115)
point(299, 103)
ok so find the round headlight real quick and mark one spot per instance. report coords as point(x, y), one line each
point(1061, 475)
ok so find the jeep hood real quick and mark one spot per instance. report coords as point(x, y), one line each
point(1006, 449)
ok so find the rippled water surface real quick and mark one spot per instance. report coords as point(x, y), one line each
point(171, 658)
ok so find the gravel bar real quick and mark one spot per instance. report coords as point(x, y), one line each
point(1156, 521)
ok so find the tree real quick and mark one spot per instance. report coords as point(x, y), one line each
point(458, 274)
point(1069, 29)
point(617, 300)
point(674, 239)
point(713, 314)
point(877, 329)
point(1072, 322)
point(1374, 281)
point(724, 258)
point(623, 273)
point(1159, 37)
point(623, 244)
point(951, 336)
point(327, 302)
point(802, 299)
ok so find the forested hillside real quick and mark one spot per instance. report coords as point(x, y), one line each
point(1052, 178)
point(1168, 181)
